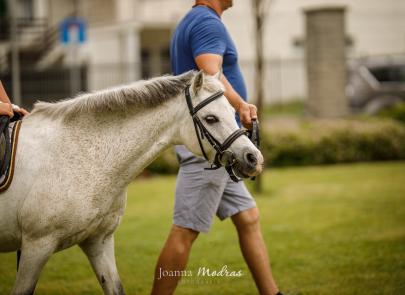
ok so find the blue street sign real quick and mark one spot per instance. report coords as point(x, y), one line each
point(72, 30)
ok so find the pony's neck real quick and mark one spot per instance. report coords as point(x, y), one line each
point(156, 130)
point(129, 143)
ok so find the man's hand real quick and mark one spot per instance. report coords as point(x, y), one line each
point(20, 110)
point(6, 109)
point(247, 112)
point(24, 112)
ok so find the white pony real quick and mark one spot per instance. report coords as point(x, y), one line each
point(76, 157)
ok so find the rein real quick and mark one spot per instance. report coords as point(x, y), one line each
point(223, 156)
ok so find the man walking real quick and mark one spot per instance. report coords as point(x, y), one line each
point(201, 42)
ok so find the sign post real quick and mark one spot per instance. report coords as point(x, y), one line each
point(72, 35)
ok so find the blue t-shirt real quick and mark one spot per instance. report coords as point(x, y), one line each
point(202, 31)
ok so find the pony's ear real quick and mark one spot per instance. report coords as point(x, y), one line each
point(219, 74)
point(198, 81)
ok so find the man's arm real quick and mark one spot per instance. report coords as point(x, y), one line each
point(6, 107)
point(212, 64)
point(3, 95)
point(5, 104)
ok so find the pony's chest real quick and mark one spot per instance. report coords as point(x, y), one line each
point(109, 213)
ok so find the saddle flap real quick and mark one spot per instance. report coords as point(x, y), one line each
point(8, 147)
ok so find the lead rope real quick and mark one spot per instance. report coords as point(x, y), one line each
point(254, 136)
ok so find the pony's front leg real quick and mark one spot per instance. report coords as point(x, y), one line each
point(100, 252)
point(34, 255)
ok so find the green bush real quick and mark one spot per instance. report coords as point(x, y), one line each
point(329, 142)
point(166, 164)
point(397, 112)
point(299, 143)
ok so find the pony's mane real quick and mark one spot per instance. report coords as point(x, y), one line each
point(140, 94)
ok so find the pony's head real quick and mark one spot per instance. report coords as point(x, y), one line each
point(211, 129)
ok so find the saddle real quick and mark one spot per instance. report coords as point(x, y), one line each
point(9, 129)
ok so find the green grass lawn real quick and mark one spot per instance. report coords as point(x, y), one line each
point(329, 230)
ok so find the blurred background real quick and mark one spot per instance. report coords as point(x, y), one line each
point(126, 40)
point(300, 59)
point(329, 78)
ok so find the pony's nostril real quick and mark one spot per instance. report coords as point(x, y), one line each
point(251, 159)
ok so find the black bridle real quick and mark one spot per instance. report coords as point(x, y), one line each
point(223, 156)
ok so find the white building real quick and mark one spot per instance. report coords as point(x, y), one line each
point(129, 39)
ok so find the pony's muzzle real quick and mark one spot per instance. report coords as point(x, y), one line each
point(250, 159)
point(251, 163)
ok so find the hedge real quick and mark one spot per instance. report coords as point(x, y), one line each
point(397, 112)
point(304, 142)
point(330, 142)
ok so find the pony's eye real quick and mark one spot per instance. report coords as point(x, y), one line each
point(211, 119)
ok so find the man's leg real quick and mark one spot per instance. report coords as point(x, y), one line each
point(198, 194)
point(174, 256)
point(254, 250)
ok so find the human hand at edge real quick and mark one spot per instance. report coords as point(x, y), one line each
point(247, 113)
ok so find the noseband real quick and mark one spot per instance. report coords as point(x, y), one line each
point(223, 156)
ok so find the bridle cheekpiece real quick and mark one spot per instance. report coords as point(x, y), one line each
point(223, 156)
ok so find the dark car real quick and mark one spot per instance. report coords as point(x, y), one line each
point(376, 84)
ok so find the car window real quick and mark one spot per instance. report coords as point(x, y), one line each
point(401, 74)
point(389, 74)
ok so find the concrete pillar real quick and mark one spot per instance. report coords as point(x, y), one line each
point(40, 9)
point(126, 15)
point(326, 61)
point(130, 53)
point(134, 54)
point(126, 10)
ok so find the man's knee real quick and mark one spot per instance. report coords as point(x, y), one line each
point(248, 219)
point(182, 238)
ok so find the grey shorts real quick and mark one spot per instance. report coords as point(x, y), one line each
point(202, 193)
